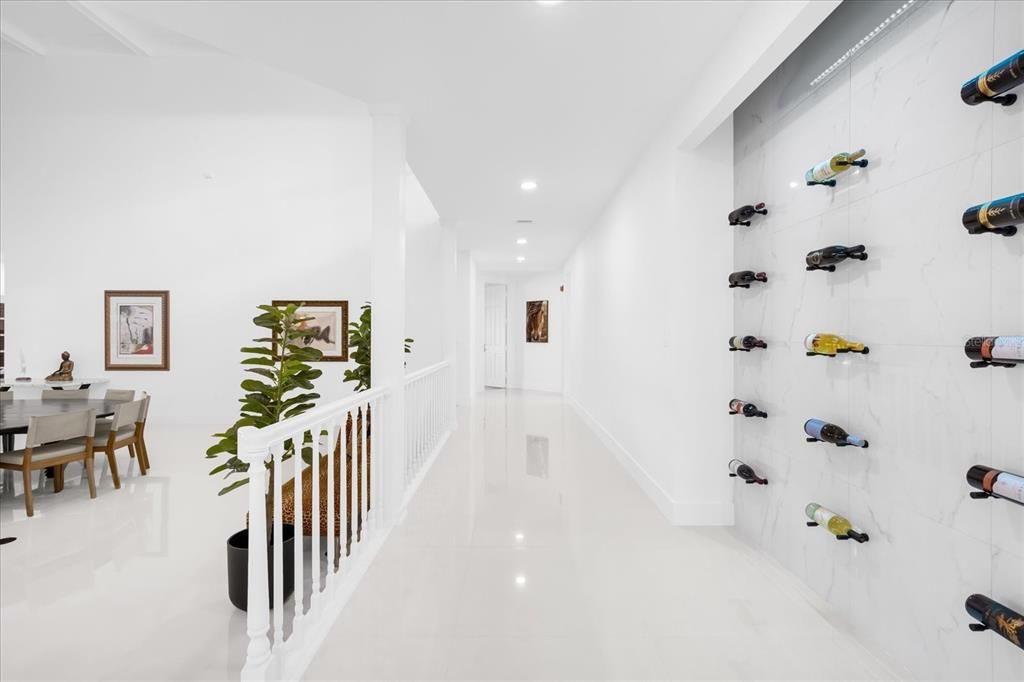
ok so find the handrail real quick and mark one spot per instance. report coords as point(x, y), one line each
point(420, 373)
point(285, 429)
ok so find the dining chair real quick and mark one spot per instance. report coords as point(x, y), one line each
point(7, 395)
point(119, 432)
point(119, 394)
point(140, 435)
point(53, 441)
point(66, 394)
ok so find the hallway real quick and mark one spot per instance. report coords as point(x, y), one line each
point(529, 553)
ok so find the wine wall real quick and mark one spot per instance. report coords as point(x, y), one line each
point(926, 288)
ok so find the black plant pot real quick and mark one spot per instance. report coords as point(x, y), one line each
point(238, 566)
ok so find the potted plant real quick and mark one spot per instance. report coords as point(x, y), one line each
point(283, 390)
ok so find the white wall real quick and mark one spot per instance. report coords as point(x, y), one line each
point(468, 338)
point(645, 300)
point(225, 183)
point(926, 287)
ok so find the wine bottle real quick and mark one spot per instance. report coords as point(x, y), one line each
point(996, 483)
point(741, 470)
point(826, 258)
point(743, 278)
point(830, 344)
point(743, 214)
point(997, 351)
point(745, 343)
point(990, 85)
point(737, 406)
point(836, 524)
point(826, 171)
point(999, 216)
point(821, 431)
point(997, 617)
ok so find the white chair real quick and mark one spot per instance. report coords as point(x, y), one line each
point(119, 432)
point(54, 441)
point(66, 394)
point(119, 394)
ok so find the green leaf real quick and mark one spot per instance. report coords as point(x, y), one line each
point(237, 484)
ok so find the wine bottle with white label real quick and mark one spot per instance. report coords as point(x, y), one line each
point(745, 343)
point(820, 431)
point(996, 483)
point(827, 257)
point(743, 214)
point(743, 278)
point(834, 523)
point(1000, 216)
point(998, 618)
point(831, 344)
point(738, 469)
point(995, 351)
point(990, 85)
point(737, 406)
point(826, 171)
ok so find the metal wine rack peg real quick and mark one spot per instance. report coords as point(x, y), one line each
point(978, 627)
point(980, 495)
point(979, 364)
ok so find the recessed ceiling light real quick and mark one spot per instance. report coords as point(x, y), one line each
point(549, 3)
point(520, 259)
point(525, 221)
point(528, 185)
point(520, 580)
point(521, 241)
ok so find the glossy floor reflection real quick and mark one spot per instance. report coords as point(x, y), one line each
point(129, 586)
point(529, 553)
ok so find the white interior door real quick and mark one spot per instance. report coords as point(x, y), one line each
point(495, 320)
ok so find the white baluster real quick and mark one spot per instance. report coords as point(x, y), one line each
point(314, 598)
point(332, 545)
point(276, 452)
point(258, 612)
point(300, 569)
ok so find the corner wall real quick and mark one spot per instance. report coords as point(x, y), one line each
point(926, 287)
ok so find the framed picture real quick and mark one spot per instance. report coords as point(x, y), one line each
point(329, 326)
point(536, 322)
point(137, 330)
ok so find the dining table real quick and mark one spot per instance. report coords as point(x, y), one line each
point(15, 414)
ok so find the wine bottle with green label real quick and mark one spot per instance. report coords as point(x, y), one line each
point(990, 85)
point(1000, 216)
point(834, 523)
point(826, 171)
point(998, 618)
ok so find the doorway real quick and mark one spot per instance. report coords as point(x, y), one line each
point(495, 335)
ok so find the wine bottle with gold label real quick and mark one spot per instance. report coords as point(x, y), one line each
point(995, 483)
point(836, 524)
point(820, 431)
point(737, 406)
point(743, 214)
point(998, 618)
point(990, 85)
point(1000, 216)
point(738, 469)
point(745, 343)
point(995, 351)
point(827, 257)
point(830, 344)
point(743, 278)
point(826, 171)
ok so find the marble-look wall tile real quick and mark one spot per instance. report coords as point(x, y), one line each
point(926, 287)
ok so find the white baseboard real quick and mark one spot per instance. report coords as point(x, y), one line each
point(678, 513)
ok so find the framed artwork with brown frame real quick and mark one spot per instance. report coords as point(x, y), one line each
point(137, 330)
point(329, 326)
point(536, 322)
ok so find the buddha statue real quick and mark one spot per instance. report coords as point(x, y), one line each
point(64, 372)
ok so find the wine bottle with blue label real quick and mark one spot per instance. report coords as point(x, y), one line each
point(820, 431)
point(1000, 216)
point(992, 84)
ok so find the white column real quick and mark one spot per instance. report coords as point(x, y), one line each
point(387, 288)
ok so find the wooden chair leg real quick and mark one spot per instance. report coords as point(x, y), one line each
point(26, 477)
point(131, 450)
point(58, 478)
point(136, 448)
point(145, 449)
point(89, 471)
point(113, 468)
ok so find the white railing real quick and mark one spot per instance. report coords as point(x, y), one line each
point(346, 435)
point(429, 419)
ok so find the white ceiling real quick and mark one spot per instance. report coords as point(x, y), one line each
point(494, 92)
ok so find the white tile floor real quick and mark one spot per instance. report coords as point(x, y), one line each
point(527, 553)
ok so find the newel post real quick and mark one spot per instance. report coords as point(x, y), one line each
point(258, 613)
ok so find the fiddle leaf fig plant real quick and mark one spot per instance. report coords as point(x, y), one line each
point(283, 389)
point(359, 349)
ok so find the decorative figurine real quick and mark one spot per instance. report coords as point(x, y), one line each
point(64, 372)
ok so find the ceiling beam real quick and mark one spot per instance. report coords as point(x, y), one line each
point(16, 37)
point(110, 27)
